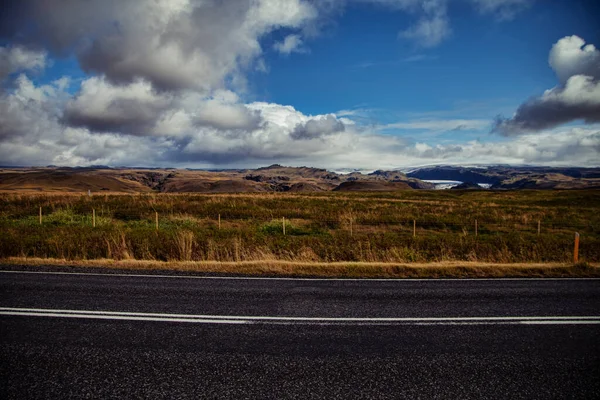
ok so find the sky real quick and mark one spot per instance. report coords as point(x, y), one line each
point(337, 84)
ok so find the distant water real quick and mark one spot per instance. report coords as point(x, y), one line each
point(441, 185)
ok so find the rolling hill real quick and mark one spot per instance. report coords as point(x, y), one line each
point(277, 178)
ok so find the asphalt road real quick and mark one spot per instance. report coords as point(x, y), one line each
point(65, 335)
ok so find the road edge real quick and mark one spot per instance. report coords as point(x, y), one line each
point(277, 268)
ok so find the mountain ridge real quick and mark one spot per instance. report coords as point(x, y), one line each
point(278, 178)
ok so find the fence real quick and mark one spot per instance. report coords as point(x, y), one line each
point(352, 225)
point(222, 229)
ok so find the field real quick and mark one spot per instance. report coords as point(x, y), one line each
point(392, 227)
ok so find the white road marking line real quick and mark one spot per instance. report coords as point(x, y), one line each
point(239, 319)
point(124, 317)
point(552, 322)
point(289, 278)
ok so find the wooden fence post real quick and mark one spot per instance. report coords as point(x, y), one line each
point(219, 218)
point(576, 249)
point(283, 219)
point(156, 219)
point(351, 226)
point(40, 215)
point(93, 217)
point(475, 227)
point(539, 227)
point(414, 227)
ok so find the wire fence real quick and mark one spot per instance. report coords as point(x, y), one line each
point(93, 231)
point(346, 222)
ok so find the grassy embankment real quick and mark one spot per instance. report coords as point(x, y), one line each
point(349, 234)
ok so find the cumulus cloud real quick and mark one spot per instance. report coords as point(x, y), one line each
point(18, 58)
point(577, 97)
point(574, 146)
point(103, 107)
point(570, 56)
point(223, 111)
point(173, 44)
point(285, 135)
point(317, 127)
point(30, 111)
point(134, 125)
point(167, 89)
point(37, 135)
point(138, 109)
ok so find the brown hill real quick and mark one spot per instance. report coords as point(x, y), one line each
point(270, 179)
point(379, 186)
point(179, 185)
point(67, 180)
point(298, 172)
point(305, 187)
point(388, 175)
point(548, 181)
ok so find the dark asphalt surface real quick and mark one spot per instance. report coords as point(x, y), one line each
point(44, 357)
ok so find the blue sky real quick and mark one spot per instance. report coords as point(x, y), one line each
point(338, 84)
point(361, 64)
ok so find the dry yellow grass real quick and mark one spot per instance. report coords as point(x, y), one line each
point(372, 227)
point(337, 269)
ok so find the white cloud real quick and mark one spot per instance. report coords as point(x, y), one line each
point(291, 44)
point(577, 97)
point(432, 28)
point(103, 107)
point(503, 9)
point(18, 58)
point(29, 112)
point(570, 56)
point(226, 113)
point(169, 85)
point(174, 45)
point(138, 109)
point(579, 90)
point(38, 138)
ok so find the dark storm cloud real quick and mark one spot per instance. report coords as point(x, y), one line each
point(184, 151)
point(315, 128)
point(129, 116)
point(538, 114)
point(13, 13)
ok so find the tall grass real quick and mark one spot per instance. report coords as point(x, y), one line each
point(317, 226)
